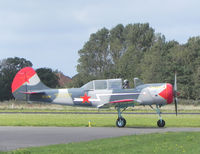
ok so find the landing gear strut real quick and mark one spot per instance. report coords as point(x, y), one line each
point(121, 122)
point(160, 122)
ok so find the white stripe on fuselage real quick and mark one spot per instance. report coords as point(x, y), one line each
point(98, 96)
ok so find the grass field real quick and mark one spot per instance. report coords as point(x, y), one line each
point(14, 106)
point(176, 143)
point(97, 120)
point(151, 143)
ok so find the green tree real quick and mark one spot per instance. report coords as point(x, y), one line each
point(48, 77)
point(8, 69)
point(191, 67)
point(79, 80)
point(196, 86)
point(135, 50)
point(117, 43)
point(94, 57)
point(140, 36)
point(117, 52)
point(156, 64)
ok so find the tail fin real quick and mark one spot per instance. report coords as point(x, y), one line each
point(25, 82)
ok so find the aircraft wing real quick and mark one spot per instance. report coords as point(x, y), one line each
point(123, 102)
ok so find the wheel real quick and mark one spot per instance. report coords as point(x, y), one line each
point(161, 123)
point(121, 122)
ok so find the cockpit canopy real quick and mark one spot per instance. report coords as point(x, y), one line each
point(103, 84)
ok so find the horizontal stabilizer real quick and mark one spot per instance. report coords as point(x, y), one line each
point(30, 93)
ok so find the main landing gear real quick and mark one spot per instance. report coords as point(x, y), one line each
point(121, 122)
point(160, 122)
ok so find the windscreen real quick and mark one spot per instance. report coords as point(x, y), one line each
point(88, 86)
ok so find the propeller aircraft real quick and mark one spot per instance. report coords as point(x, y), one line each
point(27, 86)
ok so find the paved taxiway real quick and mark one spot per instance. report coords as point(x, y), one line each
point(19, 137)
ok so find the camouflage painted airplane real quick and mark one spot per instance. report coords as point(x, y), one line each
point(98, 93)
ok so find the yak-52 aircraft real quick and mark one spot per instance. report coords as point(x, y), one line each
point(98, 93)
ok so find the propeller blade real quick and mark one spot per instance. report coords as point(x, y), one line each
point(175, 94)
point(175, 83)
point(175, 102)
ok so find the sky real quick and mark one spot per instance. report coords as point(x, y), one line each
point(50, 33)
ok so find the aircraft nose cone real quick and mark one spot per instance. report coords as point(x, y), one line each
point(167, 93)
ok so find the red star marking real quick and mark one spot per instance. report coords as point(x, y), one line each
point(27, 77)
point(85, 98)
point(27, 80)
point(24, 78)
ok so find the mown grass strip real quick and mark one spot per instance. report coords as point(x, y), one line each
point(100, 120)
point(184, 142)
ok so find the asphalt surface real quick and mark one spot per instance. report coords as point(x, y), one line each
point(19, 137)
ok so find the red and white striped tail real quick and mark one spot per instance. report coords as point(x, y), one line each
point(26, 76)
point(26, 81)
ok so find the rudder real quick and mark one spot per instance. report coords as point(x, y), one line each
point(26, 81)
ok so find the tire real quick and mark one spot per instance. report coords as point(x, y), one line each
point(161, 123)
point(121, 122)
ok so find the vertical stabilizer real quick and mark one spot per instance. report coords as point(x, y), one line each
point(26, 81)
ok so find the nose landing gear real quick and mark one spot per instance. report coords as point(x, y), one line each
point(160, 122)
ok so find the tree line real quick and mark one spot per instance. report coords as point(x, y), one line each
point(134, 50)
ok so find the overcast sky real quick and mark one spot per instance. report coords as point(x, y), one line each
point(49, 33)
